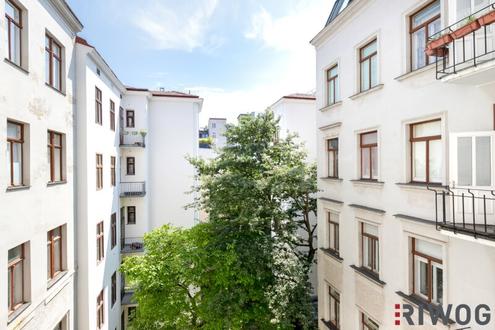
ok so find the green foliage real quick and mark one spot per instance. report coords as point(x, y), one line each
point(246, 268)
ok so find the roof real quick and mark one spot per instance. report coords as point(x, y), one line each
point(173, 94)
point(217, 118)
point(338, 7)
point(69, 15)
point(300, 96)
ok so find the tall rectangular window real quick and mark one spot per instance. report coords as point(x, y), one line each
point(333, 85)
point(15, 153)
point(114, 229)
point(334, 307)
point(367, 323)
point(100, 310)
point(112, 170)
point(15, 277)
point(426, 151)
point(427, 270)
point(13, 16)
point(368, 62)
point(333, 232)
point(368, 144)
point(100, 242)
point(55, 156)
point(54, 245)
point(131, 168)
point(333, 158)
point(130, 118)
point(131, 215)
point(423, 24)
point(114, 288)
point(370, 248)
point(99, 171)
point(53, 63)
point(112, 115)
point(98, 106)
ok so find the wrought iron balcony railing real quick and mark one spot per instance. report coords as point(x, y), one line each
point(132, 189)
point(465, 44)
point(465, 211)
point(132, 245)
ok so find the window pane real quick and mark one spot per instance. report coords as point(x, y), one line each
point(14, 131)
point(436, 161)
point(17, 164)
point(11, 11)
point(9, 288)
point(483, 161)
point(432, 128)
point(374, 71)
point(56, 73)
point(331, 164)
point(15, 253)
point(421, 277)
point(332, 72)
point(333, 143)
point(463, 8)
point(374, 162)
point(56, 256)
point(426, 14)
point(331, 92)
point(48, 258)
point(465, 161)
point(369, 49)
point(370, 229)
point(365, 163)
point(430, 249)
point(434, 28)
point(47, 67)
point(18, 282)
point(15, 44)
point(369, 138)
point(419, 161)
point(337, 89)
point(365, 75)
point(57, 169)
point(418, 49)
point(437, 283)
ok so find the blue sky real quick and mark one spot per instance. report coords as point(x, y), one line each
point(238, 55)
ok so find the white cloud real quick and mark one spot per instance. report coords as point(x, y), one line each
point(181, 25)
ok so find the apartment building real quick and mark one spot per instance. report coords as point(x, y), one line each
point(37, 171)
point(405, 162)
point(216, 131)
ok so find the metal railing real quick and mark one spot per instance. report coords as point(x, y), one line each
point(132, 245)
point(470, 50)
point(132, 189)
point(132, 139)
point(465, 210)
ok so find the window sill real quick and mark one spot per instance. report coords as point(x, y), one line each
point(331, 106)
point(420, 185)
point(369, 275)
point(329, 325)
point(331, 253)
point(55, 280)
point(54, 89)
point(415, 72)
point(56, 183)
point(368, 183)
point(15, 65)
point(329, 178)
point(420, 302)
point(17, 312)
point(16, 188)
point(366, 92)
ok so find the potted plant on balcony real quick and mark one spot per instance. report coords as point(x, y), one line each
point(143, 135)
point(471, 25)
point(437, 47)
point(488, 18)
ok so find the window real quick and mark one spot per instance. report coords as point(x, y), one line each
point(99, 171)
point(13, 16)
point(426, 151)
point(367, 323)
point(213, 125)
point(368, 62)
point(427, 270)
point(333, 232)
point(114, 229)
point(114, 288)
point(15, 153)
point(15, 281)
point(112, 170)
point(334, 307)
point(100, 310)
point(467, 7)
point(368, 144)
point(54, 245)
point(333, 87)
point(100, 242)
point(424, 23)
point(55, 157)
point(131, 170)
point(131, 215)
point(112, 115)
point(370, 248)
point(98, 106)
point(131, 313)
point(53, 62)
point(130, 118)
point(333, 158)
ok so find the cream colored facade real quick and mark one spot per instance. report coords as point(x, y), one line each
point(392, 207)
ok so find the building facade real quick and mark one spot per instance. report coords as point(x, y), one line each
point(37, 174)
point(216, 131)
point(405, 162)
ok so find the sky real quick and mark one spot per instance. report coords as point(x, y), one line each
point(239, 55)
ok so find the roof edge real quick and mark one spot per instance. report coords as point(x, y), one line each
point(68, 15)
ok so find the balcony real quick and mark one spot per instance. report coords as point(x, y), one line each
point(132, 139)
point(132, 189)
point(465, 211)
point(132, 245)
point(465, 51)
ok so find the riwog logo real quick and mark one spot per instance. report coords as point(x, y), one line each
point(461, 314)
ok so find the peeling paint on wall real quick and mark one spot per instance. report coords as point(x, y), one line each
point(38, 107)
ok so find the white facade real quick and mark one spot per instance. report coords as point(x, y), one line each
point(216, 131)
point(40, 203)
point(390, 205)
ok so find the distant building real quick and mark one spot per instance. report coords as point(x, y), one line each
point(216, 130)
